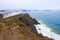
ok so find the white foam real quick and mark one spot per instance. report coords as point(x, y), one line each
point(46, 31)
point(11, 14)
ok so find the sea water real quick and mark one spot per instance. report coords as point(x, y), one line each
point(50, 23)
point(50, 18)
point(46, 31)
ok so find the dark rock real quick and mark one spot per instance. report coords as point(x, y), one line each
point(29, 21)
point(35, 21)
point(1, 16)
point(40, 35)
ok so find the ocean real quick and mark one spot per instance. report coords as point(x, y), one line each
point(50, 18)
point(50, 23)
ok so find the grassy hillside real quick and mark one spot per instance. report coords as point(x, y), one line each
point(13, 28)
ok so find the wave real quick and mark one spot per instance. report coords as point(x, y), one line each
point(11, 14)
point(46, 31)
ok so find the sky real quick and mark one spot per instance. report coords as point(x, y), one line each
point(30, 4)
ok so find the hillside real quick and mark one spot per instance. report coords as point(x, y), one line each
point(20, 27)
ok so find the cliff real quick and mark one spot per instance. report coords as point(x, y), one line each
point(20, 27)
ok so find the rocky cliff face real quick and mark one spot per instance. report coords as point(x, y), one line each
point(1, 16)
point(29, 21)
point(20, 27)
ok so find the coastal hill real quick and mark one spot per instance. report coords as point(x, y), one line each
point(20, 27)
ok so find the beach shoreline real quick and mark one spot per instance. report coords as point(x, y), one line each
point(46, 31)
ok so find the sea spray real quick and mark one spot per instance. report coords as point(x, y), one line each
point(46, 31)
point(11, 14)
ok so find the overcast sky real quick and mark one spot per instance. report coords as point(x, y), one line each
point(30, 4)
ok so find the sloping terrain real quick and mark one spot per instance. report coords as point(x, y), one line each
point(20, 27)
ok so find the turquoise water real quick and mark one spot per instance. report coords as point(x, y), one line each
point(50, 18)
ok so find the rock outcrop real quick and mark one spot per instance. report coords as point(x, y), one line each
point(20, 27)
point(1, 16)
point(29, 21)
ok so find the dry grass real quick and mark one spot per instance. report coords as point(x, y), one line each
point(18, 29)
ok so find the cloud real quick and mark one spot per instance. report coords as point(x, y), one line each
point(30, 4)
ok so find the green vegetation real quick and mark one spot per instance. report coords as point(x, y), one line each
point(1, 26)
point(15, 28)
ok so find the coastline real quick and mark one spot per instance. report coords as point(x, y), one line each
point(46, 31)
point(42, 28)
